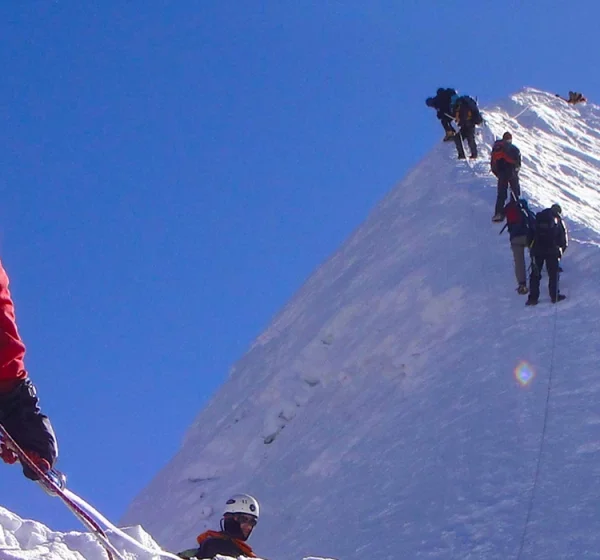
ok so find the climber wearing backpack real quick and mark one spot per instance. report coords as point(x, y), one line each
point(467, 115)
point(574, 97)
point(520, 221)
point(505, 163)
point(547, 247)
point(240, 516)
point(442, 103)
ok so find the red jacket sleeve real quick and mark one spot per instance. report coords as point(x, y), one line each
point(12, 349)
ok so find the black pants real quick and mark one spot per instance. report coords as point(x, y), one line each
point(537, 263)
point(467, 132)
point(504, 180)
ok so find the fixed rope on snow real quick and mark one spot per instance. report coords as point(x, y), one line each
point(542, 439)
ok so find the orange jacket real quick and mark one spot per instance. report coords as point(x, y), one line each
point(241, 545)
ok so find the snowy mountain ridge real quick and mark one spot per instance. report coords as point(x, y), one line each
point(405, 402)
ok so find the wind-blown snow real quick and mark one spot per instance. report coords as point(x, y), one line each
point(405, 403)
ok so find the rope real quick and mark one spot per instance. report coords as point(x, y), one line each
point(543, 438)
point(98, 516)
point(519, 114)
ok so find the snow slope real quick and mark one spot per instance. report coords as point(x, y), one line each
point(405, 403)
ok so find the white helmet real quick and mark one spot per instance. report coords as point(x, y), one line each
point(242, 503)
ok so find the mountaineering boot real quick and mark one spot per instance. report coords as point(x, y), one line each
point(473, 156)
point(449, 135)
point(531, 301)
point(497, 218)
point(560, 297)
point(522, 289)
point(22, 418)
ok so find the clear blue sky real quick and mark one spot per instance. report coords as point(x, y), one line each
point(173, 171)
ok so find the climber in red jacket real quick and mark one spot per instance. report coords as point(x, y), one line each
point(19, 407)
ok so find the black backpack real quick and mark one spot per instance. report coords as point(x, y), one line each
point(472, 104)
point(546, 229)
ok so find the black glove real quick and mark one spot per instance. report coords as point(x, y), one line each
point(20, 414)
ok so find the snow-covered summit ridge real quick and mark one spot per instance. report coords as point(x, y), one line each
point(396, 406)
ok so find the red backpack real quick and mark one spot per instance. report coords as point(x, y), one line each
point(513, 212)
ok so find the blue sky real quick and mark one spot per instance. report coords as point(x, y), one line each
point(173, 171)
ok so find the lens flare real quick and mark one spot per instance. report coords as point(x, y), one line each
point(524, 373)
